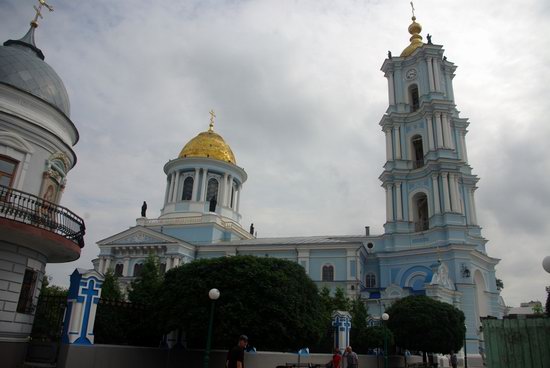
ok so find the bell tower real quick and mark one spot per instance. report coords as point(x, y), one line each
point(428, 182)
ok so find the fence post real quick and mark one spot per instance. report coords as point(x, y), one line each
point(84, 294)
point(341, 321)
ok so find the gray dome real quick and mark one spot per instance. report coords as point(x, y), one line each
point(21, 66)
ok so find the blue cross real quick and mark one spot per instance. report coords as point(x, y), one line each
point(89, 294)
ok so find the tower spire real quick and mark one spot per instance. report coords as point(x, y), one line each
point(416, 39)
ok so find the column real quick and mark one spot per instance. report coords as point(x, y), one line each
point(446, 130)
point(431, 143)
point(126, 269)
point(463, 146)
point(430, 74)
point(176, 262)
point(101, 267)
point(439, 130)
point(437, 78)
point(167, 189)
point(398, 201)
point(238, 198)
point(204, 184)
point(389, 203)
point(459, 203)
point(171, 191)
point(195, 186)
point(107, 264)
point(391, 89)
point(397, 138)
point(473, 207)
point(435, 186)
point(389, 146)
point(445, 182)
point(229, 187)
point(452, 187)
point(176, 187)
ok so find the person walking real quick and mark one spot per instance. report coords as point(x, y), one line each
point(336, 358)
point(235, 356)
point(453, 359)
point(351, 358)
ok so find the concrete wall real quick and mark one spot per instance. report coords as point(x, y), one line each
point(105, 356)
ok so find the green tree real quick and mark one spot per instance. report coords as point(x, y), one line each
point(145, 288)
point(422, 323)
point(548, 301)
point(359, 326)
point(52, 290)
point(271, 300)
point(110, 289)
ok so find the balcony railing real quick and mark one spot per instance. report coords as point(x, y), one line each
point(32, 210)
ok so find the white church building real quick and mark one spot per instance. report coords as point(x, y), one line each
point(431, 245)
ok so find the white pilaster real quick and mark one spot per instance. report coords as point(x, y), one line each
point(445, 183)
point(439, 130)
point(447, 122)
point(430, 73)
point(168, 261)
point(398, 201)
point(431, 144)
point(446, 131)
point(473, 207)
point(452, 189)
point(389, 202)
point(459, 204)
point(167, 192)
point(397, 138)
point(389, 146)
point(195, 187)
point(176, 262)
point(435, 186)
point(238, 202)
point(391, 89)
point(437, 78)
point(107, 264)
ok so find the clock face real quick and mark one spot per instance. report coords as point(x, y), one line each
point(411, 74)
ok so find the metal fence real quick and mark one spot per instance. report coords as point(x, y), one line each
point(517, 343)
point(32, 210)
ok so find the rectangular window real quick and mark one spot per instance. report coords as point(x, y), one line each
point(8, 167)
point(27, 292)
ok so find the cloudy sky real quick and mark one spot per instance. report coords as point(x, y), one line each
point(298, 91)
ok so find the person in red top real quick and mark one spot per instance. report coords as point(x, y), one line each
point(336, 358)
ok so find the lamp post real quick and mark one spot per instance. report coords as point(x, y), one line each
point(213, 294)
point(465, 350)
point(385, 317)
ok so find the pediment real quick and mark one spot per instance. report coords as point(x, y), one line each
point(139, 235)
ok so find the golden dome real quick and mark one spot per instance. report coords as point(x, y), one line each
point(416, 38)
point(208, 144)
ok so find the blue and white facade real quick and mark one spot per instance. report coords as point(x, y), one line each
point(432, 243)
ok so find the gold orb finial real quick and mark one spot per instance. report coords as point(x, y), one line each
point(416, 39)
point(41, 3)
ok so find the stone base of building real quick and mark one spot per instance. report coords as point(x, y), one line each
point(12, 353)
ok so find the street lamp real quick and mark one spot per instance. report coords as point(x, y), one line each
point(546, 264)
point(213, 294)
point(385, 317)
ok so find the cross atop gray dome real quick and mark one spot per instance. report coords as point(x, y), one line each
point(22, 66)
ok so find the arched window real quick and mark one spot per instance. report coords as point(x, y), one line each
point(417, 151)
point(370, 280)
point(212, 190)
point(420, 214)
point(187, 188)
point(328, 273)
point(137, 269)
point(119, 269)
point(232, 195)
point(413, 97)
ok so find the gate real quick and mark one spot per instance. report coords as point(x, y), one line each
point(46, 330)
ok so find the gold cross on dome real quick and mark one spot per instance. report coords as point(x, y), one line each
point(41, 3)
point(412, 6)
point(212, 116)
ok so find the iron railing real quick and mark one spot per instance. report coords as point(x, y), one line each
point(32, 210)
